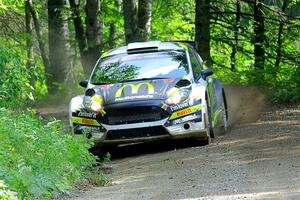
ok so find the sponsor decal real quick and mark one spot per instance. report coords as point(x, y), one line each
point(179, 106)
point(185, 119)
point(186, 111)
point(134, 97)
point(135, 88)
point(85, 114)
point(84, 121)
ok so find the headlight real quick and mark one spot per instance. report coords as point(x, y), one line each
point(96, 104)
point(93, 103)
point(177, 95)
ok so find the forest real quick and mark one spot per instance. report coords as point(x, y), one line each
point(48, 46)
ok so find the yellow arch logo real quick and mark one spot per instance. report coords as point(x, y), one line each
point(135, 88)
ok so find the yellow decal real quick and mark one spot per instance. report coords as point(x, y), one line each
point(172, 91)
point(135, 88)
point(186, 111)
point(97, 99)
point(216, 116)
point(85, 121)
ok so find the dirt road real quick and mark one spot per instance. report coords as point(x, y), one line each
point(257, 159)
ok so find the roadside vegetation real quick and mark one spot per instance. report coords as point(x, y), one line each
point(46, 46)
point(38, 159)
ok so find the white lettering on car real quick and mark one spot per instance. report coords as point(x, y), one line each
point(89, 115)
point(179, 106)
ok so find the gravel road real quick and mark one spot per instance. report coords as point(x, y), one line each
point(257, 159)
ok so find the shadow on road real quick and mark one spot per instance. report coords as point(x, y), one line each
point(132, 150)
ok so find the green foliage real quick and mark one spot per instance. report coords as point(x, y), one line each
point(18, 83)
point(282, 82)
point(5, 193)
point(173, 20)
point(15, 78)
point(37, 159)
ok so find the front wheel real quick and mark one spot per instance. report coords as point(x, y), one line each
point(208, 124)
point(224, 126)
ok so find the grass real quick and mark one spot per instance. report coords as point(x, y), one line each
point(38, 160)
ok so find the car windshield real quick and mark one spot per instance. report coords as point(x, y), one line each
point(123, 67)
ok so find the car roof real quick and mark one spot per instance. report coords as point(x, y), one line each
point(144, 47)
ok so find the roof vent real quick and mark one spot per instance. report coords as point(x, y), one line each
point(141, 47)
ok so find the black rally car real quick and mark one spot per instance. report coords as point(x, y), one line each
point(147, 91)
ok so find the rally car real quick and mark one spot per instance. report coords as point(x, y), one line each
point(147, 91)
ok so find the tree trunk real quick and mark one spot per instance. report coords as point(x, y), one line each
point(58, 41)
point(79, 31)
point(112, 35)
point(89, 40)
point(28, 24)
point(144, 20)
point(259, 35)
point(202, 35)
point(130, 20)
point(42, 45)
point(236, 35)
point(94, 33)
point(78, 24)
point(280, 32)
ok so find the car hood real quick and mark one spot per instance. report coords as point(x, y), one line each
point(136, 90)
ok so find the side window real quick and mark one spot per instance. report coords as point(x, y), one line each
point(196, 65)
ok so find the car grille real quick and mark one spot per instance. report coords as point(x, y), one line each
point(136, 133)
point(133, 115)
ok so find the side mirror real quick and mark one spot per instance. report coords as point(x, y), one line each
point(206, 73)
point(84, 83)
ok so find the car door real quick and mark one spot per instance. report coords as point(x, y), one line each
point(214, 87)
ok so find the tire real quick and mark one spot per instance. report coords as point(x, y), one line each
point(208, 120)
point(224, 126)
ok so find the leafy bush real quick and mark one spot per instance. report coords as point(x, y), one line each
point(18, 82)
point(5, 193)
point(36, 159)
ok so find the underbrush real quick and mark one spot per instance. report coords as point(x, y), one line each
point(37, 160)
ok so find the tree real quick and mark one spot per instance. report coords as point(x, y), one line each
point(280, 32)
point(58, 41)
point(37, 27)
point(112, 26)
point(202, 33)
point(137, 20)
point(236, 29)
point(28, 26)
point(259, 34)
point(144, 19)
point(94, 32)
point(90, 40)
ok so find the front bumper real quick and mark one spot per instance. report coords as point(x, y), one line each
point(180, 121)
point(143, 132)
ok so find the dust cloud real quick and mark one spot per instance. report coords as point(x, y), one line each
point(245, 103)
